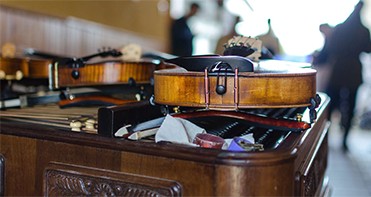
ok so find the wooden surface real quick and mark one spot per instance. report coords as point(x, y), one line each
point(65, 36)
point(86, 181)
point(145, 18)
point(295, 168)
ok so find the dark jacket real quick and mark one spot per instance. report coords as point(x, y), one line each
point(181, 38)
point(348, 40)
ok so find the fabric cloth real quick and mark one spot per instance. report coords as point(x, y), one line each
point(182, 131)
point(178, 130)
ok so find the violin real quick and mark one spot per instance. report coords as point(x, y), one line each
point(80, 72)
point(103, 73)
point(38, 65)
point(16, 68)
point(12, 68)
point(234, 82)
point(271, 84)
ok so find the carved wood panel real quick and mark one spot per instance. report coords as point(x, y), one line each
point(72, 180)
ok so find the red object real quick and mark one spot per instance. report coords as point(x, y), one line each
point(206, 140)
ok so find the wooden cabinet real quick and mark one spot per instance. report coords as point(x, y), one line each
point(40, 160)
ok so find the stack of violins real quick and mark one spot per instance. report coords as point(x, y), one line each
point(198, 88)
point(204, 88)
point(65, 79)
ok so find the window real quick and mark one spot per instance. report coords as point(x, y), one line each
point(294, 22)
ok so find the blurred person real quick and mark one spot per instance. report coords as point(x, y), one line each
point(220, 46)
point(181, 34)
point(319, 58)
point(270, 41)
point(347, 41)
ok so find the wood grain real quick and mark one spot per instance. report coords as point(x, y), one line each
point(295, 168)
point(271, 86)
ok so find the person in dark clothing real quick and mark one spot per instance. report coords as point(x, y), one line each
point(322, 56)
point(181, 34)
point(347, 41)
point(319, 58)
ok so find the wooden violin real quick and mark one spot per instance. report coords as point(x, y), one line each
point(234, 81)
point(16, 68)
point(79, 72)
point(12, 68)
point(103, 73)
point(270, 84)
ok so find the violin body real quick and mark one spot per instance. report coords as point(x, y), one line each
point(37, 68)
point(102, 73)
point(12, 68)
point(17, 68)
point(272, 84)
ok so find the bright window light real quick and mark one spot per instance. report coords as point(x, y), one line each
point(294, 22)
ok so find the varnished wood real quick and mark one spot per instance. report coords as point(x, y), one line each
point(71, 37)
point(29, 149)
point(38, 68)
point(112, 118)
point(62, 179)
point(287, 124)
point(103, 73)
point(273, 84)
point(90, 100)
point(12, 68)
point(28, 68)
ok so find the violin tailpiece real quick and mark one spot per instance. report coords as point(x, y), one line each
point(207, 89)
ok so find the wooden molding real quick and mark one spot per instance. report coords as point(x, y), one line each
point(72, 180)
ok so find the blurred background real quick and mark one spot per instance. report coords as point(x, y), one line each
point(295, 23)
point(80, 27)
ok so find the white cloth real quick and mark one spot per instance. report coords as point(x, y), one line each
point(178, 130)
point(182, 131)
